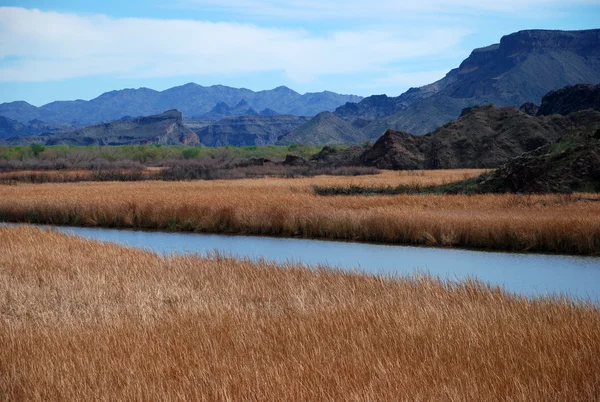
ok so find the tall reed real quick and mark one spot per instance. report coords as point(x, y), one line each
point(288, 207)
point(81, 320)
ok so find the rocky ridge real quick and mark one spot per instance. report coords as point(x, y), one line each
point(522, 68)
point(166, 129)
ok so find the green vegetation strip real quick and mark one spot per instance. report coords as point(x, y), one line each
point(153, 153)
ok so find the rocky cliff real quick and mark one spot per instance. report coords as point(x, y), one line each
point(522, 68)
point(165, 128)
point(570, 99)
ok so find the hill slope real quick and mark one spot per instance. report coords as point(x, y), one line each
point(571, 164)
point(249, 130)
point(191, 99)
point(10, 128)
point(484, 137)
point(324, 128)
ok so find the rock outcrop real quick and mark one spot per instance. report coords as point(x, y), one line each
point(335, 157)
point(571, 164)
point(530, 108)
point(396, 150)
point(166, 129)
point(570, 99)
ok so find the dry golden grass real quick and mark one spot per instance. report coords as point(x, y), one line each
point(72, 175)
point(421, 177)
point(288, 207)
point(60, 173)
point(81, 320)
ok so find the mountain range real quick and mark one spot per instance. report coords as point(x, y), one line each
point(243, 108)
point(518, 71)
point(522, 68)
point(193, 100)
point(536, 152)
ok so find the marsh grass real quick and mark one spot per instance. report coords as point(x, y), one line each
point(178, 171)
point(413, 188)
point(82, 320)
point(288, 207)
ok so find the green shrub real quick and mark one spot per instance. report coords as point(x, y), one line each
point(37, 149)
point(190, 153)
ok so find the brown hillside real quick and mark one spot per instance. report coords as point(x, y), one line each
point(484, 137)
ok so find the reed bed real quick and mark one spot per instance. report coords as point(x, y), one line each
point(82, 320)
point(288, 207)
point(180, 170)
point(74, 175)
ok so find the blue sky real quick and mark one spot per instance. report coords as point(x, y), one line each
point(62, 50)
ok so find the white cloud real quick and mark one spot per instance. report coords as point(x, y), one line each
point(41, 46)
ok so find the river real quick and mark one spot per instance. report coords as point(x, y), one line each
point(522, 273)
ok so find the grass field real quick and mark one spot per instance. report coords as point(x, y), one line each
point(289, 207)
point(81, 320)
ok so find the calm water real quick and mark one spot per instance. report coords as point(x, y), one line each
point(529, 274)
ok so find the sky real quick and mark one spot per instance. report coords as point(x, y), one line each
point(72, 49)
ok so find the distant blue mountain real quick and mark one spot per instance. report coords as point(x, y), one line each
point(193, 100)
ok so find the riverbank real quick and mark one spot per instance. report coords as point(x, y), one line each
point(567, 224)
point(84, 320)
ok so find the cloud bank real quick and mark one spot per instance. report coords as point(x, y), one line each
point(40, 46)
